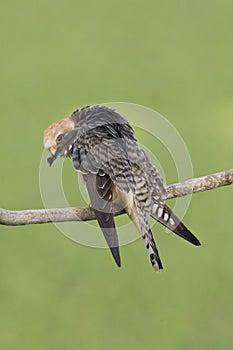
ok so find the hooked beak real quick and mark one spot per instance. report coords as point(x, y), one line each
point(53, 149)
point(51, 159)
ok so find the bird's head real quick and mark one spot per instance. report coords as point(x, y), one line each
point(57, 138)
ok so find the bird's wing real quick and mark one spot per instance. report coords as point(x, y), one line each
point(99, 187)
point(104, 148)
point(100, 156)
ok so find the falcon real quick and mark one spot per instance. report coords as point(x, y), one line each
point(117, 173)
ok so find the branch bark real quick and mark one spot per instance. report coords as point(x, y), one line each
point(42, 216)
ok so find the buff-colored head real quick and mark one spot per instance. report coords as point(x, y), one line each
point(54, 134)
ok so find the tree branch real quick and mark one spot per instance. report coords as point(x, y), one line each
point(200, 184)
point(42, 216)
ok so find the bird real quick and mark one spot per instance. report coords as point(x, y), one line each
point(116, 172)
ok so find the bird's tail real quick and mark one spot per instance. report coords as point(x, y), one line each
point(163, 214)
point(142, 224)
point(152, 250)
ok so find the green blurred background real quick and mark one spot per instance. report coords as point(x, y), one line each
point(174, 57)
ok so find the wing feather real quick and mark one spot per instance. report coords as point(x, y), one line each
point(101, 203)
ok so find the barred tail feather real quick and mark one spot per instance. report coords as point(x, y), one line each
point(141, 222)
point(164, 215)
point(152, 251)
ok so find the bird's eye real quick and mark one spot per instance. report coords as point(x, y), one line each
point(59, 138)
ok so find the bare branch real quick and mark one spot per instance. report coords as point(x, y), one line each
point(42, 216)
point(200, 184)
